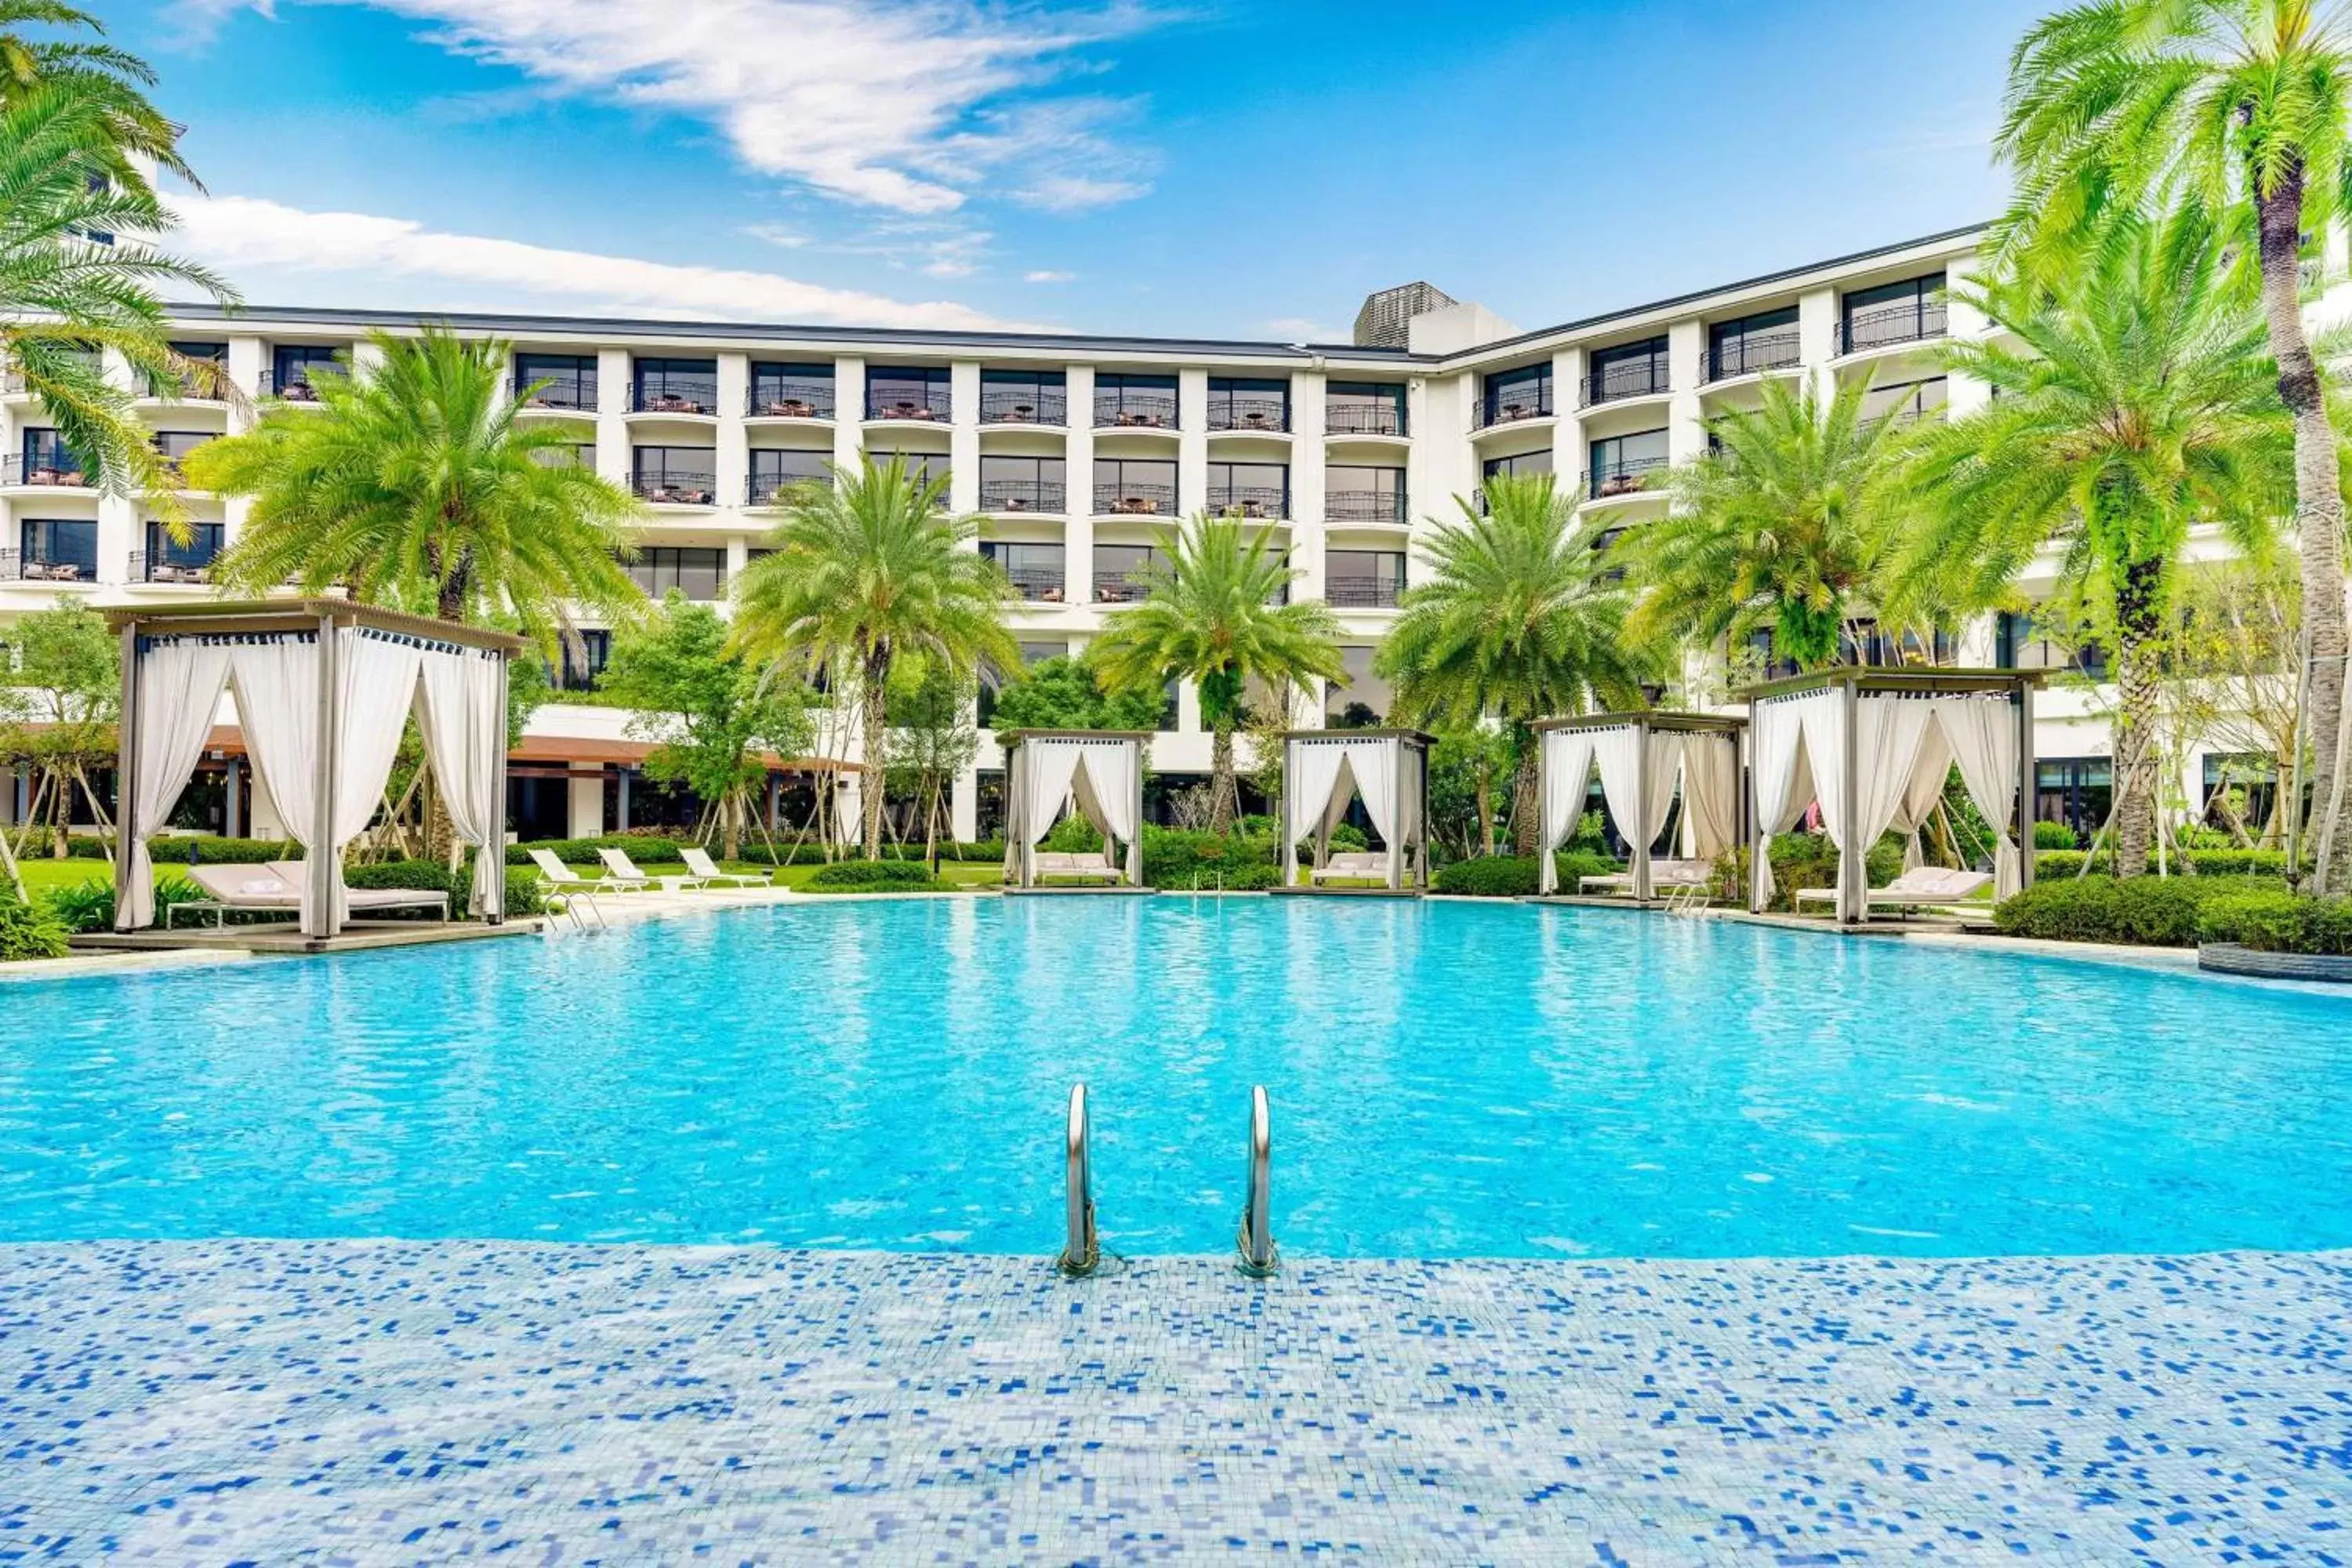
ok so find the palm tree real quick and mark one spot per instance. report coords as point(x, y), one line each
point(1520, 616)
point(66, 295)
point(413, 485)
point(1218, 614)
point(865, 571)
point(1778, 527)
point(2239, 105)
point(97, 74)
point(2138, 403)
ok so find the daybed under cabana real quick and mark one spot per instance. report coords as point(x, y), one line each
point(323, 689)
point(1873, 748)
point(1324, 769)
point(1098, 771)
point(1645, 759)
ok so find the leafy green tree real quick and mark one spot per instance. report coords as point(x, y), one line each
point(59, 703)
point(2137, 402)
point(2115, 107)
point(415, 486)
point(712, 716)
point(1518, 615)
point(864, 569)
point(1216, 612)
point(1062, 693)
point(1463, 768)
point(1779, 526)
point(932, 741)
point(111, 80)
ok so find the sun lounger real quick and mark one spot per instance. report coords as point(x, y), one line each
point(1922, 887)
point(621, 872)
point(706, 871)
point(277, 888)
point(1666, 876)
point(1075, 866)
point(1352, 866)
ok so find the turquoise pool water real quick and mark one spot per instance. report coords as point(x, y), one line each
point(1447, 1080)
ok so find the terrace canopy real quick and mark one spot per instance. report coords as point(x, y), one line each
point(1643, 756)
point(1098, 771)
point(1324, 769)
point(1873, 748)
point(323, 689)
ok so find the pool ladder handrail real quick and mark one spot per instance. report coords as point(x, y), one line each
point(1081, 1249)
point(1259, 1256)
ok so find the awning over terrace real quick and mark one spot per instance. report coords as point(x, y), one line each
point(1644, 757)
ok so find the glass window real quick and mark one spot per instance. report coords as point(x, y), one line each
point(1252, 489)
point(556, 381)
point(683, 476)
point(1242, 403)
point(1022, 397)
point(676, 385)
point(1630, 370)
point(1363, 579)
point(2076, 791)
point(775, 468)
point(1906, 401)
point(1364, 494)
point(792, 391)
point(699, 574)
point(1135, 401)
point(292, 365)
point(1022, 484)
point(899, 391)
point(1122, 572)
point(1034, 569)
point(922, 467)
point(62, 549)
point(1363, 408)
point(1893, 314)
point(1621, 463)
point(1135, 487)
point(1765, 341)
point(1522, 393)
point(1361, 700)
point(166, 559)
point(583, 665)
point(47, 461)
point(204, 352)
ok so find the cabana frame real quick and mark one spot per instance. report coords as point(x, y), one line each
point(1644, 723)
point(1019, 747)
point(1411, 749)
point(1852, 685)
point(323, 619)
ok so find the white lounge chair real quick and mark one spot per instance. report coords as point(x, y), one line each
point(1073, 866)
point(706, 871)
point(277, 888)
point(1352, 866)
point(621, 872)
point(1920, 888)
point(1666, 876)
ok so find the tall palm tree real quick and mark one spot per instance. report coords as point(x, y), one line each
point(869, 570)
point(1217, 613)
point(111, 80)
point(66, 296)
point(2239, 105)
point(1780, 527)
point(1518, 616)
point(415, 485)
point(2138, 403)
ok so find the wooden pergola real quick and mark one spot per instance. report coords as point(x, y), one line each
point(1643, 723)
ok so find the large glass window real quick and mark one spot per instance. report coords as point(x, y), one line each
point(1629, 370)
point(1516, 465)
point(1363, 579)
point(556, 381)
point(2076, 791)
point(1364, 494)
point(291, 367)
point(1893, 314)
point(677, 386)
point(1906, 401)
point(1023, 397)
point(901, 392)
point(62, 550)
point(213, 356)
point(47, 461)
point(922, 467)
point(1122, 572)
point(1132, 487)
point(2249, 781)
point(165, 560)
point(792, 391)
point(1511, 394)
point(699, 574)
point(1036, 569)
point(676, 476)
point(1621, 464)
point(1242, 403)
point(1363, 408)
point(1135, 401)
point(1023, 484)
point(1765, 341)
point(583, 663)
point(1361, 700)
point(1251, 489)
point(776, 468)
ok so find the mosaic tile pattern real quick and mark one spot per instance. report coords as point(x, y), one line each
point(362, 1403)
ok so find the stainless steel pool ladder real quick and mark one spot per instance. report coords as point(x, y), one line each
point(1081, 1252)
point(1259, 1256)
point(573, 902)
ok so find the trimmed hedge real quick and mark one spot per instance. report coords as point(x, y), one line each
point(1516, 876)
point(876, 876)
point(431, 876)
point(2151, 911)
point(650, 849)
point(2204, 862)
point(194, 848)
point(2273, 919)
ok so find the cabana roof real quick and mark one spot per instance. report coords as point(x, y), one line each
point(1655, 718)
point(1010, 737)
point(1917, 679)
point(303, 615)
point(1409, 737)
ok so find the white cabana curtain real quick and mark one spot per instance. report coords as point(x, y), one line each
point(1982, 735)
point(1929, 769)
point(1888, 732)
point(276, 687)
point(1566, 769)
point(1052, 764)
point(1307, 794)
point(464, 722)
point(1710, 823)
point(180, 682)
point(1619, 752)
point(1412, 792)
point(1374, 765)
point(1105, 785)
point(1782, 777)
point(377, 672)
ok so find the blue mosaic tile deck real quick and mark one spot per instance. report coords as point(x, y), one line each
point(364, 1402)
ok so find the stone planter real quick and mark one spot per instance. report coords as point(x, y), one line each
point(2229, 958)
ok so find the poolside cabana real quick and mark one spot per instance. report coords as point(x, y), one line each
point(1100, 771)
point(1646, 760)
point(1873, 748)
point(323, 689)
point(1324, 769)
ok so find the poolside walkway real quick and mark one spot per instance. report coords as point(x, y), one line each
point(350, 1402)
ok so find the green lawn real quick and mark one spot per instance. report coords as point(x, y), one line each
point(42, 875)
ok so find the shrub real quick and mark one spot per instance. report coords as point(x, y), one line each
point(1489, 876)
point(27, 932)
point(1348, 836)
point(431, 876)
point(195, 848)
point(1181, 857)
point(2273, 919)
point(640, 847)
point(876, 876)
point(2054, 863)
point(1802, 860)
point(87, 907)
point(2154, 911)
point(2054, 836)
point(1073, 835)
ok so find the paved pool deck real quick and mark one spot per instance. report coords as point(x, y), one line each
point(388, 1402)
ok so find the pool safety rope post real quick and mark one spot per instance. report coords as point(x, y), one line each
point(1259, 1256)
point(1081, 1254)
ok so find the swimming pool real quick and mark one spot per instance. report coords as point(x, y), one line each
point(1448, 1080)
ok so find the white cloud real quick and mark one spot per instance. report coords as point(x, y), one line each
point(1044, 274)
point(905, 104)
point(244, 235)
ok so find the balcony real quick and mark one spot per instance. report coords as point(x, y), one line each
point(564, 394)
point(1130, 409)
point(1884, 326)
point(1022, 495)
point(789, 400)
point(1362, 592)
point(1624, 477)
point(1037, 585)
point(1119, 590)
point(1750, 355)
point(1363, 419)
point(16, 566)
point(919, 405)
point(1024, 405)
point(674, 487)
point(1260, 502)
point(676, 394)
point(1271, 415)
point(1513, 405)
point(46, 470)
point(766, 489)
point(1643, 377)
point(290, 385)
point(147, 567)
point(1365, 506)
point(1135, 499)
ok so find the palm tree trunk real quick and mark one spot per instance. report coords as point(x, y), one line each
point(1527, 804)
point(876, 702)
point(2136, 678)
point(1487, 807)
point(1225, 793)
point(730, 825)
point(2319, 514)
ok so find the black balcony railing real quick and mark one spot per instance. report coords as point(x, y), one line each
point(1623, 476)
point(1628, 378)
point(294, 385)
point(1365, 506)
point(154, 568)
point(1750, 355)
point(1264, 502)
point(1362, 592)
point(676, 394)
point(573, 393)
point(1038, 584)
point(1880, 325)
point(1272, 413)
point(1021, 495)
point(1024, 405)
point(1512, 405)
point(58, 469)
point(1128, 409)
point(791, 400)
point(765, 488)
point(1364, 419)
point(928, 405)
point(676, 487)
point(1119, 590)
point(16, 566)
point(1135, 499)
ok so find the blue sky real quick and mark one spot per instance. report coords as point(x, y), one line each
point(1223, 169)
